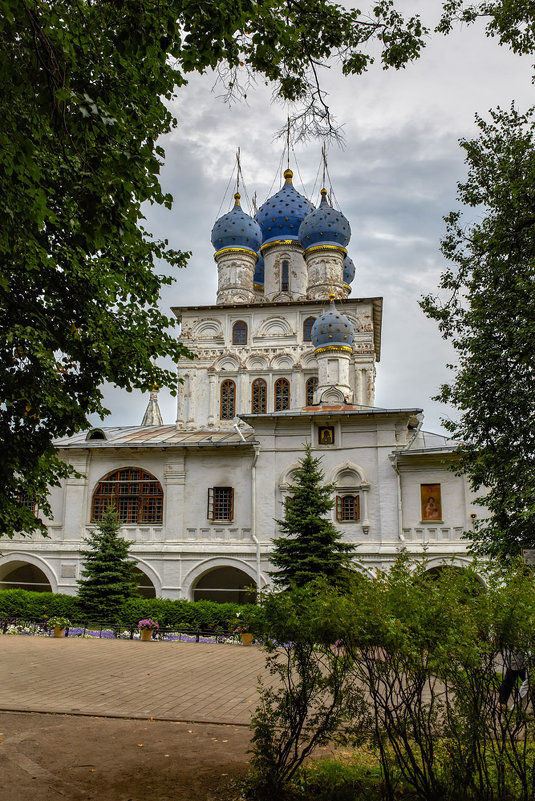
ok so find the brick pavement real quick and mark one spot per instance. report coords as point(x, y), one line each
point(204, 683)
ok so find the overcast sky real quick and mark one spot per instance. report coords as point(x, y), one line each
point(394, 180)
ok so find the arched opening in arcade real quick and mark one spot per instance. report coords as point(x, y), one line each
point(145, 587)
point(224, 585)
point(23, 576)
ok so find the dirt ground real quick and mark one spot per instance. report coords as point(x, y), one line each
point(45, 757)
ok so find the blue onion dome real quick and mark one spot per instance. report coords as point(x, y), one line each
point(332, 331)
point(236, 230)
point(258, 279)
point(324, 226)
point(281, 215)
point(349, 270)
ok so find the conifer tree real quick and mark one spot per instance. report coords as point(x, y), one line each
point(311, 546)
point(108, 572)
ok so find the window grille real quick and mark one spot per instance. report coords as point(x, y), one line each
point(282, 394)
point(137, 496)
point(311, 385)
point(347, 507)
point(307, 329)
point(220, 503)
point(259, 396)
point(228, 399)
point(239, 333)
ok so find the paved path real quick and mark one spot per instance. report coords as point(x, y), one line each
point(196, 682)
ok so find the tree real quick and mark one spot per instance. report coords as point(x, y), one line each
point(489, 315)
point(84, 85)
point(312, 546)
point(108, 572)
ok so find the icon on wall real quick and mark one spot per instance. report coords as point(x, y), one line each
point(431, 502)
point(326, 435)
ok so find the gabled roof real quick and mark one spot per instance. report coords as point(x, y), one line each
point(427, 442)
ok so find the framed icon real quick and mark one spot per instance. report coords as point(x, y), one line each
point(326, 435)
point(431, 501)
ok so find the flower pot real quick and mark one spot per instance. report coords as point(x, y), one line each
point(58, 631)
point(146, 634)
point(246, 638)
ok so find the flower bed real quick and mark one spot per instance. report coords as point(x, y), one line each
point(27, 628)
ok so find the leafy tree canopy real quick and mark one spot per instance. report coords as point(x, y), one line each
point(489, 315)
point(312, 547)
point(84, 85)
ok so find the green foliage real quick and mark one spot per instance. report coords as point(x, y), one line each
point(312, 546)
point(408, 664)
point(512, 22)
point(108, 572)
point(489, 315)
point(37, 605)
point(170, 614)
point(83, 103)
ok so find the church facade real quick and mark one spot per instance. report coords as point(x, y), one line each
point(284, 357)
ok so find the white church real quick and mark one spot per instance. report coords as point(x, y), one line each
point(283, 357)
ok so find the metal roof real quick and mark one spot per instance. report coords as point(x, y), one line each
point(155, 437)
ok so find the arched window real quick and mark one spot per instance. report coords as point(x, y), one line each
point(228, 399)
point(311, 385)
point(285, 276)
point(259, 396)
point(307, 329)
point(239, 333)
point(137, 496)
point(282, 394)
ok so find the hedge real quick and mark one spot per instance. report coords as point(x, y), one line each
point(168, 613)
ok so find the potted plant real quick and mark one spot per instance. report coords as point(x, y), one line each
point(59, 624)
point(146, 628)
point(243, 629)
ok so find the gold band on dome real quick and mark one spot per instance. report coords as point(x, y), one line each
point(234, 250)
point(339, 248)
point(279, 242)
point(347, 348)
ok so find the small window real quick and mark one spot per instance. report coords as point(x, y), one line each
point(285, 276)
point(220, 503)
point(137, 496)
point(259, 396)
point(282, 394)
point(307, 329)
point(311, 385)
point(228, 400)
point(347, 507)
point(239, 333)
point(29, 501)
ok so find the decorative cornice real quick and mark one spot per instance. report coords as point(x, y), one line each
point(280, 242)
point(233, 250)
point(345, 348)
point(325, 246)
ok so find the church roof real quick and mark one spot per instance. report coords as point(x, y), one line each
point(281, 215)
point(157, 437)
point(345, 409)
point(324, 226)
point(236, 229)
